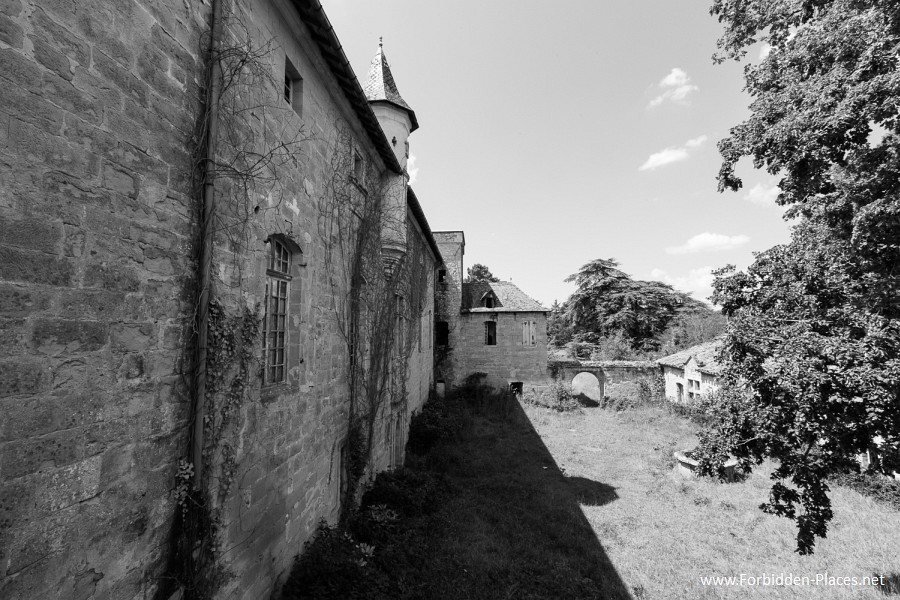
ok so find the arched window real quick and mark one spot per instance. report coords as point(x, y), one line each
point(277, 306)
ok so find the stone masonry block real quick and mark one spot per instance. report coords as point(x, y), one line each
point(41, 453)
point(31, 108)
point(61, 336)
point(133, 337)
point(11, 33)
point(13, 333)
point(22, 377)
point(31, 233)
point(34, 144)
point(26, 266)
point(61, 92)
point(115, 73)
point(12, 8)
point(69, 44)
point(168, 44)
point(111, 277)
point(26, 418)
point(52, 58)
point(20, 70)
point(20, 301)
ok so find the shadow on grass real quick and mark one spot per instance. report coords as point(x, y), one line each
point(586, 401)
point(513, 526)
point(590, 492)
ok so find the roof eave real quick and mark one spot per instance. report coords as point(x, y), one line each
point(324, 36)
point(412, 201)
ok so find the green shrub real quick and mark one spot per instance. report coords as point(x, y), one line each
point(872, 485)
point(440, 419)
point(333, 565)
point(559, 397)
point(410, 493)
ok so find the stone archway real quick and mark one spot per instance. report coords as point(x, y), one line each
point(586, 384)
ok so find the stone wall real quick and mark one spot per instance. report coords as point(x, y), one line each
point(97, 107)
point(509, 360)
point(97, 224)
point(448, 300)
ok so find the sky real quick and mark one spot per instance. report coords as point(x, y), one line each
point(556, 133)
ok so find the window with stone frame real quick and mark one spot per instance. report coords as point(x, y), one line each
point(275, 321)
point(490, 333)
point(293, 87)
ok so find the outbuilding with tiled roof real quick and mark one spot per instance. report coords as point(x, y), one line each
point(692, 372)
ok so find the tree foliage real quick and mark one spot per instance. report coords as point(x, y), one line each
point(812, 348)
point(479, 272)
point(607, 302)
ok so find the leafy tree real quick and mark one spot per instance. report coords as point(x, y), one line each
point(479, 272)
point(559, 331)
point(607, 302)
point(812, 347)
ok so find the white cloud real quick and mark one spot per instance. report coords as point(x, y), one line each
point(671, 154)
point(696, 142)
point(676, 87)
point(707, 241)
point(764, 50)
point(412, 169)
point(697, 282)
point(763, 194)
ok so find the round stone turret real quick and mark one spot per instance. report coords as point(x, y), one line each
point(396, 117)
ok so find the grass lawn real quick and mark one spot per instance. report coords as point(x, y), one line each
point(540, 504)
point(664, 532)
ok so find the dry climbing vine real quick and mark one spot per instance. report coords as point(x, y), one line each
point(245, 144)
point(377, 316)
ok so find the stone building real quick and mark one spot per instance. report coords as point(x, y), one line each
point(100, 281)
point(491, 328)
point(691, 372)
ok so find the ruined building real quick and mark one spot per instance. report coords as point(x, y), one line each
point(210, 279)
point(490, 328)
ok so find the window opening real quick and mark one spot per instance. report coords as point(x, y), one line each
point(490, 333)
point(442, 275)
point(358, 167)
point(278, 277)
point(442, 333)
point(293, 87)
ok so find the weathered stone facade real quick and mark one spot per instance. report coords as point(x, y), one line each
point(493, 328)
point(98, 242)
point(691, 372)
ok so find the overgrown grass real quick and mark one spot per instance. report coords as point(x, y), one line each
point(665, 532)
point(484, 515)
point(512, 501)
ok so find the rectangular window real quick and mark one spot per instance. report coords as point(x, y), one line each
point(278, 277)
point(293, 87)
point(442, 333)
point(490, 333)
point(359, 167)
point(442, 275)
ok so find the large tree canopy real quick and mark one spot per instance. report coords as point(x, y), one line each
point(812, 351)
point(479, 272)
point(608, 302)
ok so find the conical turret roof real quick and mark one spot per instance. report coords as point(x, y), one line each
point(380, 86)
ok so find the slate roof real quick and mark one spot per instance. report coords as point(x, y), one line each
point(705, 355)
point(509, 298)
point(380, 86)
